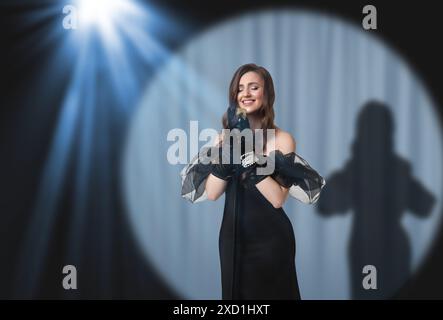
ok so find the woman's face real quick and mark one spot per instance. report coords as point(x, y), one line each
point(250, 92)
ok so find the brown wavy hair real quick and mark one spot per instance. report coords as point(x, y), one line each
point(267, 110)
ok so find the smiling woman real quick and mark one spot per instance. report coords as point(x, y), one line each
point(250, 91)
point(256, 242)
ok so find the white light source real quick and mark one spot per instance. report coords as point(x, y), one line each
point(108, 17)
point(98, 13)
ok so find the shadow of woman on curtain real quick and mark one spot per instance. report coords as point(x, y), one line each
point(378, 186)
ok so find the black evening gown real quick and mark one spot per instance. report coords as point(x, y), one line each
point(256, 240)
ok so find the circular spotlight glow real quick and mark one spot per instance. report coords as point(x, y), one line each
point(326, 70)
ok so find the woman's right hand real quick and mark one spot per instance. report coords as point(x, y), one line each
point(236, 119)
point(222, 164)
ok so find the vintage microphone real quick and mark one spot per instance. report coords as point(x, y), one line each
point(237, 119)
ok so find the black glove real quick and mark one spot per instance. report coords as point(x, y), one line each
point(249, 176)
point(237, 118)
point(222, 165)
point(288, 172)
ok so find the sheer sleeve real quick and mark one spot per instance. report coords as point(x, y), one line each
point(295, 173)
point(194, 177)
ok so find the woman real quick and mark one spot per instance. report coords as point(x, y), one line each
point(256, 242)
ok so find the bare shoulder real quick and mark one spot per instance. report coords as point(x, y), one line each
point(284, 141)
